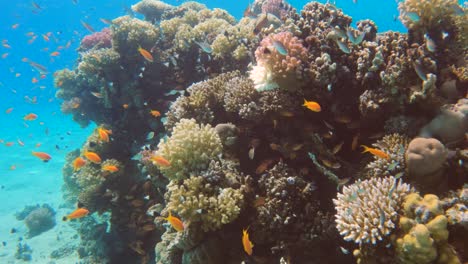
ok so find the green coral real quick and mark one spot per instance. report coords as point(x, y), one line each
point(424, 234)
point(195, 200)
point(189, 149)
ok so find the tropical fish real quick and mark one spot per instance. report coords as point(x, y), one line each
point(103, 134)
point(78, 163)
point(105, 21)
point(9, 110)
point(343, 47)
point(430, 44)
point(93, 157)
point(160, 161)
point(21, 143)
point(87, 26)
point(205, 46)
point(78, 213)
point(42, 155)
point(248, 12)
point(54, 54)
point(311, 105)
point(155, 113)
point(376, 152)
point(419, 70)
point(246, 243)
point(110, 168)
point(146, 54)
point(150, 135)
point(175, 222)
point(30, 117)
point(260, 23)
point(97, 95)
point(413, 16)
point(40, 68)
point(279, 46)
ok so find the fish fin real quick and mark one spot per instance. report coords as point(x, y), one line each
point(366, 148)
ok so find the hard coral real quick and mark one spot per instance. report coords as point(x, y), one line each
point(151, 9)
point(279, 60)
point(40, 220)
point(425, 158)
point(189, 149)
point(199, 202)
point(394, 145)
point(362, 220)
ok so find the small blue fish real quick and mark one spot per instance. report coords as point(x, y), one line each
point(280, 47)
point(205, 46)
point(342, 46)
point(413, 16)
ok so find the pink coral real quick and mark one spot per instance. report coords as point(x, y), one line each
point(269, 55)
point(99, 40)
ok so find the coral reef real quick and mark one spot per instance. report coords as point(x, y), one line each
point(425, 158)
point(361, 220)
point(97, 40)
point(151, 9)
point(189, 149)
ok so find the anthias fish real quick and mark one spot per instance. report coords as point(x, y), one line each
point(78, 213)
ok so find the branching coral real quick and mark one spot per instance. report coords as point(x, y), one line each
point(456, 207)
point(189, 149)
point(197, 201)
point(394, 145)
point(362, 220)
point(279, 60)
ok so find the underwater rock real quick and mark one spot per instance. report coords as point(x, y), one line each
point(40, 220)
point(425, 158)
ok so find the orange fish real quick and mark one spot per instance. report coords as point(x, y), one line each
point(175, 222)
point(311, 105)
point(103, 135)
point(55, 53)
point(34, 80)
point(78, 163)
point(9, 144)
point(13, 167)
point(4, 55)
point(9, 110)
point(93, 157)
point(45, 37)
point(155, 113)
point(125, 106)
point(110, 168)
point(160, 161)
point(146, 54)
point(87, 26)
point(248, 245)
point(42, 155)
point(15, 26)
point(376, 152)
point(78, 213)
point(30, 117)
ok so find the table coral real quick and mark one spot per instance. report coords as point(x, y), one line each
point(359, 218)
point(189, 149)
point(151, 9)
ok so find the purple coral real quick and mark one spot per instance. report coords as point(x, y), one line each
point(97, 40)
point(278, 8)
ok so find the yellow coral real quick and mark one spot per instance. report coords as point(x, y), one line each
point(189, 149)
point(417, 247)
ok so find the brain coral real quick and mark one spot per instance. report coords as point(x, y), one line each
point(366, 210)
point(195, 200)
point(189, 149)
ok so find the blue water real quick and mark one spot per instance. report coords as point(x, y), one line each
point(26, 180)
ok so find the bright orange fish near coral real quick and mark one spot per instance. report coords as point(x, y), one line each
point(78, 213)
point(155, 113)
point(376, 152)
point(78, 163)
point(311, 105)
point(93, 157)
point(146, 54)
point(175, 222)
point(45, 157)
point(104, 134)
point(110, 168)
point(160, 161)
point(246, 243)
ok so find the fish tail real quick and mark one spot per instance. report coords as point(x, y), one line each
point(366, 148)
point(305, 102)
